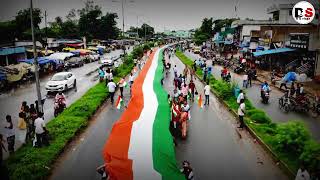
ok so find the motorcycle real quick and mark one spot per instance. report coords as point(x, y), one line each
point(239, 69)
point(265, 97)
point(59, 107)
point(300, 104)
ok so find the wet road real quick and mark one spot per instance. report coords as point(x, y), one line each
point(214, 147)
point(272, 109)
point(85, 154)
point(10, 102)
point(217, 149)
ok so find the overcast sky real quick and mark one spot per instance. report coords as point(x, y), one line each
point(162, 14)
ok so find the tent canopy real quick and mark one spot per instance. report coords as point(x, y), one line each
point(272, 51)
point(60, 56)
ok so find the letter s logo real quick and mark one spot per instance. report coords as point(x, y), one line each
point(309, 12)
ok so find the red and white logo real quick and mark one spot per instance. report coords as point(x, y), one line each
point(303, 12)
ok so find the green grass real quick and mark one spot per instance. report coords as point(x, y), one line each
point(290, 142)
point(34, 163)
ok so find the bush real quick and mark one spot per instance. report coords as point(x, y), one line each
point(291, 137)
point(311, 155)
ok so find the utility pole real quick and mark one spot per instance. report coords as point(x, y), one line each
point(124, 48)
point(36, 65)
point(137, 27)
point(45, 22)
point(145, 32)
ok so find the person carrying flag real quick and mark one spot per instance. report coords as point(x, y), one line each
point(121, 84)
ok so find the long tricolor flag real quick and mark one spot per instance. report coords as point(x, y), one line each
point(140, 145)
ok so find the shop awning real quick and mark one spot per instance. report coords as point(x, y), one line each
point(272, 51)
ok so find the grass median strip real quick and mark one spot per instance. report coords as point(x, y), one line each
point(34, 163)
point(290, 142)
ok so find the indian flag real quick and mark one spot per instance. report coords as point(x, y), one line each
point(140, 145)
point(119, 103)
point(200, 101)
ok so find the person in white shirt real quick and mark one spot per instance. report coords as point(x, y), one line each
point(240, 96)
point(206, 94)
point(10, 134)
point(111, 88)
point(241, 112)
point(245, 81)
point(175, 70)
point(131, 79)
point(40, 129)
point(302, 174)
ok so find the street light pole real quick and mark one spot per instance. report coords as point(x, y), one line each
point(36, 65)
point(124, 48)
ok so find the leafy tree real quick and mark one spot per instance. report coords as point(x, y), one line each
point(108, 27)
point(23, 25)
point(89, 23)
point(7, 31)
point(146, 30)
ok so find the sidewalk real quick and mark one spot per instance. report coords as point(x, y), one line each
point(272, 108)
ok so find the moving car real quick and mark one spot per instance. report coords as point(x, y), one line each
point(94, 56)
point(61, 81)
point(108, 61)
point(75, 62)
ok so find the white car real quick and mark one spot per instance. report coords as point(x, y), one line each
point(94, 56)
point(109, 61)
point(61, 81)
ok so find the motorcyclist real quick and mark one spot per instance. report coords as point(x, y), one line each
point(60, 99)
point(265, 88)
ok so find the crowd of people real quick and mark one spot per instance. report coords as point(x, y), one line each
point(29, 129)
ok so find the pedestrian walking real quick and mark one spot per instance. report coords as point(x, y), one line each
point(121, 85)
point(240, 96)
point(194, 66)
point(109, 75)
point(192, 87)
point(175, 70)
point(2, 147)
point(206, 93)
point(205, 73)
point(241, 112)
point(184, 91)
point(10, 134)
point(40, 130)
point(245, 81)
point(111, 89)
point(187, 170)
point(22, 126)
point(284, 84)
point(23, 106)
point(101, 74)
point(185, 72)
point(131, 79)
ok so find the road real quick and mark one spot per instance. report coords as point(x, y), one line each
point(10, 102)
point(214, 146)
point(272, 109)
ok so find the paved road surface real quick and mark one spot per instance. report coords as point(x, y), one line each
point(215, 149)
point(213, 146)
point(10, 102)
point(272, 109)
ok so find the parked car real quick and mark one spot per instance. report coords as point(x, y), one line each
point(75, 62)
point(61, 81)
point(108, 61)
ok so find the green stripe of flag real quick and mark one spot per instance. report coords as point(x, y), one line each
point(164, 159)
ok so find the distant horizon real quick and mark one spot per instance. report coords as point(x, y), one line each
point(164, 15)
